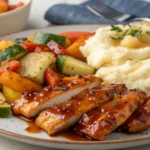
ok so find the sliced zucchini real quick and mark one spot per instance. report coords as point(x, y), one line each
point(34, 65)
point(12, 52)
point(4, 109)
point(70, 66)
point(44, 38)
point(20, 40)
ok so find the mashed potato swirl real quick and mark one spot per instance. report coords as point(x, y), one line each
point(120, 61)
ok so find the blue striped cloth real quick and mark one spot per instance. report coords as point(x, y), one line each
point(79, 14)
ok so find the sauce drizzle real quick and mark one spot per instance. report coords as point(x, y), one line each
point(71, 135)
point(68, 134)
point(32, 128)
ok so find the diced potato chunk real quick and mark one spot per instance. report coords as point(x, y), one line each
point(34, 65)
point(2, 98)
point(11, 94)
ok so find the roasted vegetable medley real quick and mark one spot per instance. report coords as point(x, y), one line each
point(42, 59)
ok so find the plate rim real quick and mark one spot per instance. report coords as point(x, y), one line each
point(54, 26)
point(25, 137)
point(10, 134)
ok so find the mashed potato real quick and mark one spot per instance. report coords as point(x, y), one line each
point(121, 61)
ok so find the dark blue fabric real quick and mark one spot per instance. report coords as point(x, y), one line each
point(79, 14)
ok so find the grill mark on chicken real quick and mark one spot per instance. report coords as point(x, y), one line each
point(101, 121)
point(50, 96)
point(66, 114)
point(139, 121)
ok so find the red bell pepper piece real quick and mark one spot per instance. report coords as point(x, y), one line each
point(56, 48)
point(13, 65)
point(40, 49)
point(30, 47)
point(52, 77)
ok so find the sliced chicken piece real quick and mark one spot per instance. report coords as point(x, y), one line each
point(139, 121)
point(31, 104)
point(67, 114)
point(102, 121)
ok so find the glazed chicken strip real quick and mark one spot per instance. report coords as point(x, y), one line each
point(67, 114)
point(31, 104)
point(139, 121)
point(102, 121)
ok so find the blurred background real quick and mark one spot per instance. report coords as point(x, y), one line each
point(39, 22)
point(44, 13)
point(138, 8)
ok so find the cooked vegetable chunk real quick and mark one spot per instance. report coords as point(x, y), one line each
point(13, 65)
point(30, 38)
point(73, 36)
point(11, 94)
point(52, 77)
point(4, 109)
point(5, 43)
point(2, 98)
point(56, 48)
point(34, 65)
point(74, 49)
point(44, 38)
point(12, 52)
point(20, 40)
point(70, 66)
point(17, 82)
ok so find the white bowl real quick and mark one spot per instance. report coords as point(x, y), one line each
point(15, 20)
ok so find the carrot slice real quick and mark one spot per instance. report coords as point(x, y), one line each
point(74, 49)
point(17, 82)
point(73, 36)
point(31, 37)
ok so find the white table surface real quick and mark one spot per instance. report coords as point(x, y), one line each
point(36, 21)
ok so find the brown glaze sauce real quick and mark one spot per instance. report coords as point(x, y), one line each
point(32, 128)
point(68, 134)
point(71, 135)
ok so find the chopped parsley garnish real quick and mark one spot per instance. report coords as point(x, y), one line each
point(118, 37)
point(130, 31)
point(116, 96)
point(116, 28)
point(114, 104)
point(134, 32)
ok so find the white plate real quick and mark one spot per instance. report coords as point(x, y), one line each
point(14, 128)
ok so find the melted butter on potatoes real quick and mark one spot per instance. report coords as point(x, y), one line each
point(121, 59)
